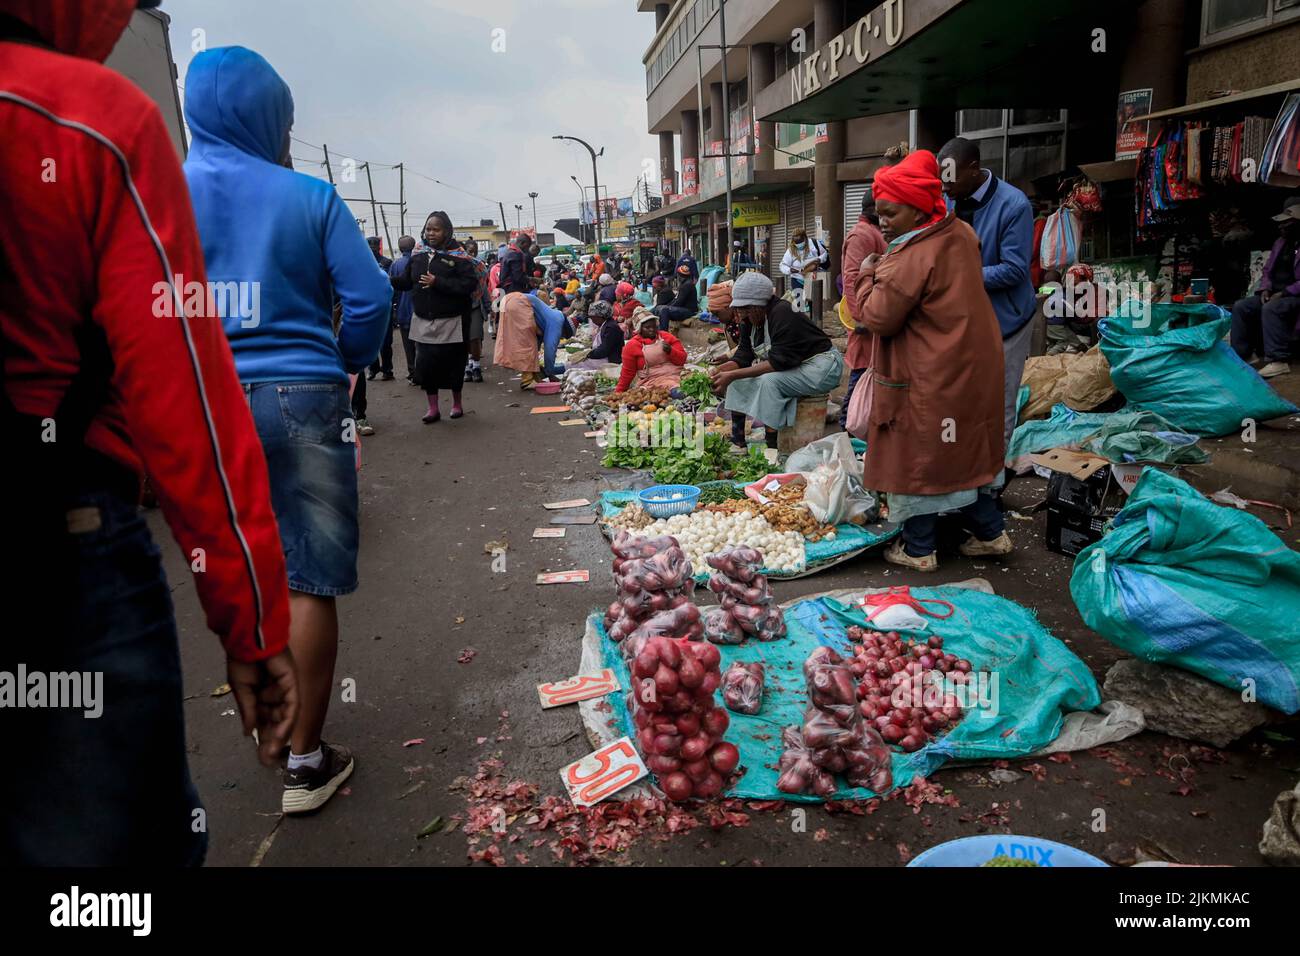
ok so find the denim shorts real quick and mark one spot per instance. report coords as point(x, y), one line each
point(308, 436)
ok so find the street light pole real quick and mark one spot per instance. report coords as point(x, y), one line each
point(587, 232)
point(533, 197)
point(594, 177)
point(519, 218)
point(726, 125)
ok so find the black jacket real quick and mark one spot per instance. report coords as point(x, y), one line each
point(793, 337)
point(452, 290)
point(611, 343)
point(688, 297)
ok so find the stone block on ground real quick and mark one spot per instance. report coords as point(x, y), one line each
point(1182, 704)
point(1280, 844)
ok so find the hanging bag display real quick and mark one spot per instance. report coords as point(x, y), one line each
point(1061, 237)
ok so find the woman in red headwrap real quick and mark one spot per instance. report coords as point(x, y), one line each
point(935, 430)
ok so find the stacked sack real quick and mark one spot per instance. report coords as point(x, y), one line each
point(834, 737)
point(747, 603)
point(655, 585)
point(679, 725)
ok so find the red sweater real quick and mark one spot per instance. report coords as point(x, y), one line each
point(634, 356)
point(104, 238)
point(863, 240)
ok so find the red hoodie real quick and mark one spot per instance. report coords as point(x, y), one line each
point(97, 221)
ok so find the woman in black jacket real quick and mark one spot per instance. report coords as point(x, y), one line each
point(441, 277)
point(684, 305)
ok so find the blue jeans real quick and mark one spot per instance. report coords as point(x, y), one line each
point(112, 790)
point(311, 459)
point(983, 519)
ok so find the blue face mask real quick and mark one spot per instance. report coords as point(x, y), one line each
point(801, 246)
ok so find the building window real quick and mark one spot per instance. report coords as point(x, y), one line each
point(1222, 19)
point(1017, 145)
point(979, 121)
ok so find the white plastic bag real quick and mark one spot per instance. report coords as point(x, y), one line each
point(835, 494)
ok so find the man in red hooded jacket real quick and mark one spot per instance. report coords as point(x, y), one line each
point(110, 371)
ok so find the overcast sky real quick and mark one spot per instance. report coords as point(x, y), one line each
point(418, 82)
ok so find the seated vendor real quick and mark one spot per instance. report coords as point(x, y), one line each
point(653, 358)
point(607, 338)
point(624, 303)
point(782, 357)
point(684, 304)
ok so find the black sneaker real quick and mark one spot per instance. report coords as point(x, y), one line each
point(469, 374)
point(478, 373)
point(386, 377)
point(309, 788)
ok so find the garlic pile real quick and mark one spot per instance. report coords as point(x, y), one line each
point(702, 533)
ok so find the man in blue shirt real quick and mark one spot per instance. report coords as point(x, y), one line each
point(1003, 219)
point(406, 245)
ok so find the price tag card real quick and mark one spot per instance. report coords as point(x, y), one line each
point(549, 532)
point(562, 505)
point(549, 409)
point(603, 773)
point(582, 687)
point(595, 434)
point(574, 421)
point(564, 577)
point(574, 519)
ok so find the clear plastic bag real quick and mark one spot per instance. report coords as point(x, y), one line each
point(721, 628)
point(742, 687)
point(798, 772)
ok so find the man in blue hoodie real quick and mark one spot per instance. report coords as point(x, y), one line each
point(288, 245)
point(1003, 218)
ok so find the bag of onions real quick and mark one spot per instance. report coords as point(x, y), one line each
point(679, 725)
point(655, 583)
point(742, 688)
point(745, 597)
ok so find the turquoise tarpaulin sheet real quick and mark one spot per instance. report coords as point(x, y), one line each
point(1132, 434)
point(850, 539)
point(1034, 680)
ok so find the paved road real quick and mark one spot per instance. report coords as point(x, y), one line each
point(432, 496)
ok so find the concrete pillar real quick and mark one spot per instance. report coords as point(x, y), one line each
point(667, 162)
point(690, 144)
point(719, 121)
point(761, 74)
point(828, 22)
point(661, 14)
point(1154, 57)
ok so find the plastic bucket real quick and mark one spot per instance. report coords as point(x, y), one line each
point(978, 850)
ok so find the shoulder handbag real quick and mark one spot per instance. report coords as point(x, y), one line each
point(858, 418)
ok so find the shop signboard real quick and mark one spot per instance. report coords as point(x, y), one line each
point(797, 144)
point(1130, 135)
point(617, 228)
point(609, 209)
point(755, 212)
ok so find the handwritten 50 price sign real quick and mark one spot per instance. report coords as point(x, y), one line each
point(605, 772)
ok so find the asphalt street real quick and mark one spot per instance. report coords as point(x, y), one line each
point(446, 650)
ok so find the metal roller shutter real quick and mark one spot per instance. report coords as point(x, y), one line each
point(779, 239)
point(853, 195)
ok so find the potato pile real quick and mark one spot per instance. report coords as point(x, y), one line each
point(639, 398)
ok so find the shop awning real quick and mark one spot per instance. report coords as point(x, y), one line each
point(963, 54)
point(1204, 105)
point(766, 182)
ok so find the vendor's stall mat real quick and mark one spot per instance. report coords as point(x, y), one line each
point(1044, 692)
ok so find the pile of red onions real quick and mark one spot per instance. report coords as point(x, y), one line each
point(903, 686)
point(748, 607)
point(679, 725)
point(834, 738)
point(655, 585)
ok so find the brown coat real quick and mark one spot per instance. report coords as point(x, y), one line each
point(937, 417)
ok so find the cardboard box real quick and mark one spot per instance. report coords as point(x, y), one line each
point(1083, 493)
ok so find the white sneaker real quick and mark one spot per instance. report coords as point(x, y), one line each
point(897, 554)
point(975, 548)
point(1274, 369)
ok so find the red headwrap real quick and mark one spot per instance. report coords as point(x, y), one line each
point(913, 182)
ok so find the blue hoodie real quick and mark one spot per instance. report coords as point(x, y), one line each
point(289, 233)
point(553, 326)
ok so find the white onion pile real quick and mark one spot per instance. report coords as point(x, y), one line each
point(702, 533)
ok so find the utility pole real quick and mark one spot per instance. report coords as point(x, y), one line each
point(388, 238)
point(329, 170)
point(505, 226)
point(374, 216)
point(533, 197)
point(519, 218)
point(401, 196)
point(595, 180)
point(726, 122)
